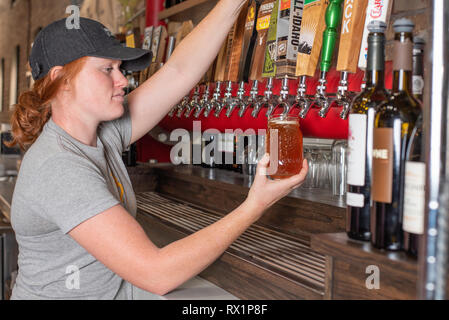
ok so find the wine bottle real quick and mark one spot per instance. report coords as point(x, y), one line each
point(418, 67)
point(414, 191)
point(360, 141)
point(394, 123)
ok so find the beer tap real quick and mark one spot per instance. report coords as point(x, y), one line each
point(283, 97)
point(216, 100)
point(232, 59)
point(301, 99)
point(176, 108)
point(263, 23)
point(219, 75)
point(350, 37)
point(288, 32)
point(194, 102)
point(269, 65)
point(227, 99)
point(204, 101)
point(182, 106)
point(310, 41)
point(269, 100)
point(252, 100)
point(332, 18)
point(246, 54)
point(240, 101)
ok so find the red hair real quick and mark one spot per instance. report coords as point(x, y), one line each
point(34, 107)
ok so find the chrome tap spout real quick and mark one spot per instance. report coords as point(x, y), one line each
point(227, 100)
point(345, 111)
point(194, 103)
point(320, 97)
point(301, 98)
point(181, 106)
point(252, 100)
point(325, 107)
point(268, 99)
point(342, 88)
point(204, 101)
point(240, 101)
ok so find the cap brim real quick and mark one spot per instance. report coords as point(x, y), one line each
point(133, 59)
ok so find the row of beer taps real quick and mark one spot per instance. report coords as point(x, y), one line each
point(216, 102)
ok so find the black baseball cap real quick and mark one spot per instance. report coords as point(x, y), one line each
point(59, 44)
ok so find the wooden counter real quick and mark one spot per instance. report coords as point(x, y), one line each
point(272, 259)
point(301, 213)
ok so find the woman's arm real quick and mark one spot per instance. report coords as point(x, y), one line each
point(152, 100)
point(119, 242)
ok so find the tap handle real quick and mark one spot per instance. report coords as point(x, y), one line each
point(332, 18)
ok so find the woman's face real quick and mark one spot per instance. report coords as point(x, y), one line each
point(99, 89)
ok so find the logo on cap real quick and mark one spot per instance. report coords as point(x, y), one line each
point(109, 33)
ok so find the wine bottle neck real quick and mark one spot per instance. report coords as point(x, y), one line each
point(375, 73)
point(403, 62)
point(402, 81)
point(375, 78)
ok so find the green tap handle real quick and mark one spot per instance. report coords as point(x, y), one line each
point(333, 19)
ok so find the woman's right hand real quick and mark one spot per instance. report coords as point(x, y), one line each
point(265, 192)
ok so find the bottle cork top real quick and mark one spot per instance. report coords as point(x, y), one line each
point(418, 43)
point(403, 25)
point(377, 26)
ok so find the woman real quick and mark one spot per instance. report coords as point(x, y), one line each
point(73, 206)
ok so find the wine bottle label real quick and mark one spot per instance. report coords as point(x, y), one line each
point(355, 199)
point(418, 84)
point(357, 149)
point(382, 186)
point(378, 10)
point(414, 197)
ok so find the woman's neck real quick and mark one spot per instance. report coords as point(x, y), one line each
point(79, 128)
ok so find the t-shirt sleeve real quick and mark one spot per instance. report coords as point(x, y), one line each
point(119, 130)
point(69, 191)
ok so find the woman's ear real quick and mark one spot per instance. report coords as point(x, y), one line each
point(54, 73)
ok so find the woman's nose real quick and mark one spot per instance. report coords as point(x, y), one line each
point(121, 80)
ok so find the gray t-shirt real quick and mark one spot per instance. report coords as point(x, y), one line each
point(63, 182)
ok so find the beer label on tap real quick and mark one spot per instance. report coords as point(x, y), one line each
point(262, 25)
point(288, 34)
point(269, 66)
point(249, 40)
point(354, 14)
point(311, 37)
point(237, 46)
point(378, 10)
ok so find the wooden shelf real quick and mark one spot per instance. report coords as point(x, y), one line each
point(194, 10)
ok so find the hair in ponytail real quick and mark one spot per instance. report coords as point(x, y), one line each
point(33, 109)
